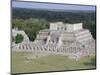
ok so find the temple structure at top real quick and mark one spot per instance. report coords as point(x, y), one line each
point(64, 34)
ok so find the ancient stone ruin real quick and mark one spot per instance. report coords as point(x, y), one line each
point(65, 39)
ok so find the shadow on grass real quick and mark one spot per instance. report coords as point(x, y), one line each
point(92, 62)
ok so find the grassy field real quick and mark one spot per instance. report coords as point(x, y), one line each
point(21, 64)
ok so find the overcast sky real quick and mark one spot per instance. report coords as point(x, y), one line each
point(51, 6)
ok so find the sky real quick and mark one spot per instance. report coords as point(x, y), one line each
point(51, 6)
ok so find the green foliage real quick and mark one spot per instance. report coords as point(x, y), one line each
point(19, 38)
point(17, 23)
point(31, 26)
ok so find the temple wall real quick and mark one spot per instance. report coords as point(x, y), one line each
point(70, 28)
point(67, 27)
point(53, 26)
point(77, 26)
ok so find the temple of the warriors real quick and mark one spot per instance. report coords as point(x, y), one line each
point(61, 38)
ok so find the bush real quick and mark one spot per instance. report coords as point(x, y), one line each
point(19, 38)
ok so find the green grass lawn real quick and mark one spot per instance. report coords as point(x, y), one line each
point(21, 64)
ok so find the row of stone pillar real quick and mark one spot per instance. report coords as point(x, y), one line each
point(47, 48)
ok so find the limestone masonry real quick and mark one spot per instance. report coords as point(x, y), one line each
point(65, 39)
